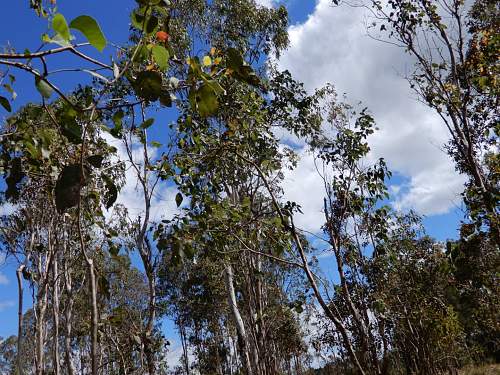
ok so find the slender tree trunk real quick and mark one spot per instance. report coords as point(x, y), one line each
point(19, 274)
point(305, 264)
point(94, 325)
point(182, 333)
point(68, 316)
point(238, 321)
point(41, 307)
point(150, 355)
point(55, 311)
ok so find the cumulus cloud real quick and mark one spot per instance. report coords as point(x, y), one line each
point(332, 46)
point(304, 186)
point(266, 3)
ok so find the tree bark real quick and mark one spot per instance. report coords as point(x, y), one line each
point(238, 321)
point(19, 274)
point(94, 325)
point(55, 312)
point(68, 316)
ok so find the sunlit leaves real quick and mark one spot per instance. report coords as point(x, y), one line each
point(90, 28)
point(117, 121)
point(207, 61)
point(143, 20)
point(60, 26)
point(160, 56)
point(146, 124)
point(43, 87)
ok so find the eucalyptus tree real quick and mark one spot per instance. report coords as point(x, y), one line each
point(140, 77)
point(453, 44)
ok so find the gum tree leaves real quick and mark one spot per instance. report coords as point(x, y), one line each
point(95, 160)
point(144, 21)
point(241, 70)
point(160, 56)
point(148, 85)
point(146, 124)
point(117, 121)
point(43, 87)
point(15, 176)
point(204, 99)
point(5, 103)
point(90, 28)
point(178, 199)
point(111, 194)
point(70, 127)
point(60, 26)
point(68, 186)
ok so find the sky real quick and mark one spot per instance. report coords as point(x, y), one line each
point(327, 44)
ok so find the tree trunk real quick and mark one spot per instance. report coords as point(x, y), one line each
point(94, 325)
point(41, 307)
point(68, 316)
point(19, 274)
point(238, 321)
point(55, 311)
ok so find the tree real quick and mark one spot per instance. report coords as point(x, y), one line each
point(456, 75)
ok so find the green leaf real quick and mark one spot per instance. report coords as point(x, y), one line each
point(166, 99)
point(90, 28)
point(113, 249)
point(60, 26)
point(72, 131)
point(148, 85)
point(70, 127)
point(155, 144)
point(15, 176)
point(137, 20)
point(117, 120)
point(95, 160)
point(68, 185)
point(160, 55)
point(242, 70)
point(207, 101)
point(178, 199)
point(43, 87)
point(111, 191)
point(146, 124)
point(5, 103)
point(151, 24)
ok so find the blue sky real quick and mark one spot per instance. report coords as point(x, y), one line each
point(327, 45)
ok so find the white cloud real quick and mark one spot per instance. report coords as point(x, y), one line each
point(7, 209)
point(266, 3)
point(332, 46)
point(304, 186)
point(131, 196)
point(3, 278)
point(426, 194)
